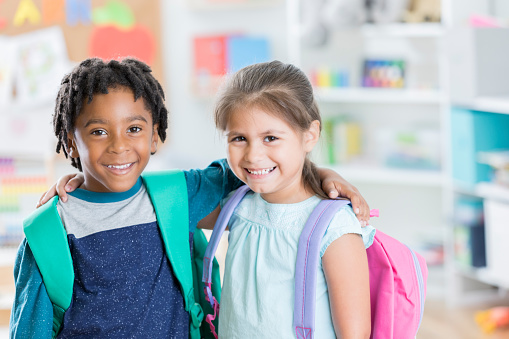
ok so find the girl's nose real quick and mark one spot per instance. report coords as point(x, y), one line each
point(254, 153)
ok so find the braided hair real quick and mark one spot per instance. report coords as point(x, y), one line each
point(94, 76)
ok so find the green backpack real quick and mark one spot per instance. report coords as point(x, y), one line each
point(47, 238)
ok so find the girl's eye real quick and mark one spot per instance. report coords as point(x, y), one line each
point(99, 132)
point(237, 139)
point(270, 138)
point(134, 129)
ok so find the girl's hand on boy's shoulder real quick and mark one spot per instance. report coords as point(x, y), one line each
point(335, 186)
point(66, 183)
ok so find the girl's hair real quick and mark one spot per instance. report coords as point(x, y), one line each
point(279, 89)
point(93, 76)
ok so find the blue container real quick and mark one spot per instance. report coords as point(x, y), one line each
point(474, 131)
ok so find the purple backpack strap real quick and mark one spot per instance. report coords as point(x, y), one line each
point(219, 227)
point(306, 267)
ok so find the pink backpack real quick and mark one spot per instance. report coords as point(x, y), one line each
point(397, 275)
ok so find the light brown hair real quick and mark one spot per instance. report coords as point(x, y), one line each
point(280, 89)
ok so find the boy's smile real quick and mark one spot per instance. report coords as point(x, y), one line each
point(113, 137)
point(268, 155)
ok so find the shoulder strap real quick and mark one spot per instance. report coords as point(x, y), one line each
point(219, 227)
point(306, 266)
point(47, 238)
point(168, 193)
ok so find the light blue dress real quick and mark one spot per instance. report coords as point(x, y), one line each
point(258, 289)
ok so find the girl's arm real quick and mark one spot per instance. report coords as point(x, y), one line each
point(345, 266)
point(32, 311)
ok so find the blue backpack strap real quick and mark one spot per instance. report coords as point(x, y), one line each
point(219, 227)
point(47, 239)
point(168, 193)
point(306, 266)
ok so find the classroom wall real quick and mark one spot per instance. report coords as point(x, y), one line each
point(193, 140)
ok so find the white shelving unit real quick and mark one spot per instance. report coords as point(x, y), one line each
point(390, 188)
point(378, 95)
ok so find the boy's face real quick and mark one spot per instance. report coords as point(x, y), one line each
point(113, 137)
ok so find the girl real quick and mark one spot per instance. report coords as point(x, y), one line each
point(272, 123)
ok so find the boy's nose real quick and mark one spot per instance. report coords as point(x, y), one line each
point(118, 145)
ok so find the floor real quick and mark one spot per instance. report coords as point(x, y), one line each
point(438, 323)
point(442, 323)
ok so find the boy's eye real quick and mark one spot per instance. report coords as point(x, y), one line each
point(270, 138)
point(239, 138)
point(134, 129)
point(99, 132)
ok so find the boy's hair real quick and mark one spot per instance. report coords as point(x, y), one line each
point(93, 76)
point(279, 89)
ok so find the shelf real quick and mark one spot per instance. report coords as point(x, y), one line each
point(378, 95)
point(494, 104)
point(492, 191)
point(402, 30)
point(218, 5)
point(383, 175)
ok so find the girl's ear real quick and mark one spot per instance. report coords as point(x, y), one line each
point(72, 150)
point(311, 136)
point(155, 139)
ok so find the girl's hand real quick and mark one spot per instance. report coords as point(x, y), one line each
point(335, 186)
point(67, 183)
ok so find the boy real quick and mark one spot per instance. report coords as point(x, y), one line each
point(108, 118)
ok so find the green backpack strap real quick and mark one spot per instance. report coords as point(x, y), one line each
point(47, 238)
point(199, 246)
point(168, 192)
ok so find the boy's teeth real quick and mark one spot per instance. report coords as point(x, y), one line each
point(119, 167)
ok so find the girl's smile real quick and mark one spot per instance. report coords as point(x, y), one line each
point(260, 172)
point(267, 154)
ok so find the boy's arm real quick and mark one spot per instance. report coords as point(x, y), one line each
point(334, 185)
point(207, 187)
point(32, 311)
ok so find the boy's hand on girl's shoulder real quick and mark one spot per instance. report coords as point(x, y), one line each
point(335, 186)
point(66, 183)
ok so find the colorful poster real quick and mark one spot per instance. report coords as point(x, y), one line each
point(42, 62)
point(7, 67)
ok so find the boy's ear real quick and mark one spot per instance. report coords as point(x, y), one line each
point(155, 139)
point(312, 135)
point(72, 150)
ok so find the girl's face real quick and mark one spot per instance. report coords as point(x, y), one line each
point(113, 137)
point(268, 155)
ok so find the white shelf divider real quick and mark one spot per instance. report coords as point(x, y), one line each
point(378, 95)
point(389, 176)
point(402, 30)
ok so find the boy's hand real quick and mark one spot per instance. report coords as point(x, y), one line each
point(335, 186)
point(67, 183)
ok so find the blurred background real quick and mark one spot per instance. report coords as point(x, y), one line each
point(414, 96)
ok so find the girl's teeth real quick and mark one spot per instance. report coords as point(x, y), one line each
point(260, 172)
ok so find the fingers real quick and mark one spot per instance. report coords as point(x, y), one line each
point(73, 183)
point(333, 189)
point(46, 196)
point(360, 208)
